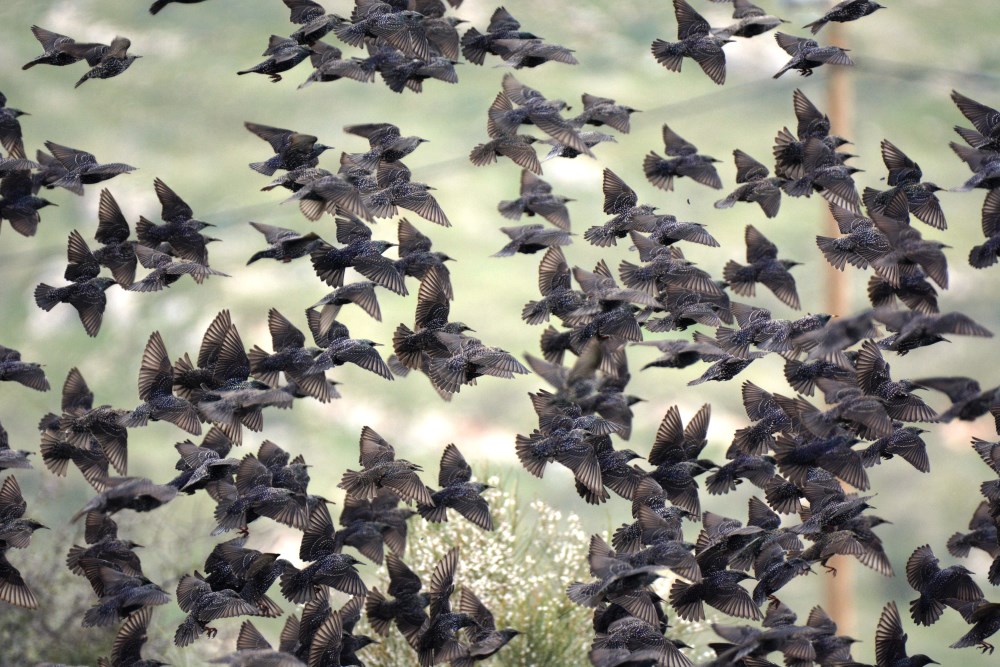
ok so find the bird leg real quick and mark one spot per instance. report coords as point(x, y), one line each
point(985, 647)
point(211, 632)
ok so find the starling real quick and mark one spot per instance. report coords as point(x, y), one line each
point(361, 253)
point(406, 610)
point(333, 569)
point(684, 160)
point(283, 53)
point(517, 147)
point(135, 493)
point(165, 271)
point(181, 230)
point(968, 400)
point(905, 175)
point(386, 143)
point(315, 22)
point(333, 642)
point(156, 378)
point(116, 251)
point(937, 587)
point(132, 635)
point(329, 66)
point(416, 258)
point(458, 492)
point(621, 201)
point(120, 594)
point(751, 21)
point(764, 267)
point(101, 534)
point(11, 458)
point(985, 622)
point(537, 199)
point(54, 52)
point(469, 358)
point(400, 28)
point(848, 10)
point(718, 589)
point(983, 118)
point(532, 109)
point(10, 129)
point(529, 239)
point(697, 41)
point(862, 244)
point(285, 244)
point(328, 193)
point(396, 189)
point(28, 373)
point(898, 398)
point(437, 640)
point(600, 111)
point(203, 605)
point(112, 62)
point(486, 639)
point(381, 469)
point(18, 203)
point(913, 330)
point(291, 149)
point(774, 570)
point(756, 186)
point(904, 442)
point(86, 295)
point(985, 255)
point(502, 26)
point(155, 9)
point(290, 356)
point(254, 496)
point(81, 423)
point(807, 54)
point(985, 166)
point(342, 349)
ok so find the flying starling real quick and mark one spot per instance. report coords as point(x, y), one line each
point(684, 160)
point(807, 54)
point(160, 4)
point(696, 41)
point(756, 186)
point(291, 149)
point(763, 267)
point(458, 492)
point(54, 52)
point(112, 61)
point(842, 12)
point(283, 53)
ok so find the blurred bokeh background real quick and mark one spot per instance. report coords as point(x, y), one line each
point(178, 114)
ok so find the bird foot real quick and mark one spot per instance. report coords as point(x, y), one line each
point(985, 647)
point(244, 531)
point(211, 632)
point(831, 570)
point(275, 78)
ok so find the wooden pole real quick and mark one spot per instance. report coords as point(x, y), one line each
point(839, 590)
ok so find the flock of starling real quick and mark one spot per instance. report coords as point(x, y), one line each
point(799, 453)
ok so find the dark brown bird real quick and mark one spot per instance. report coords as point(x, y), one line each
point(10, 129)
point(684, 160)
point(283, 53)
point(696, 41)
point(807, 54)
point(54, 53)
point(106, 62)
point(848, 10)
